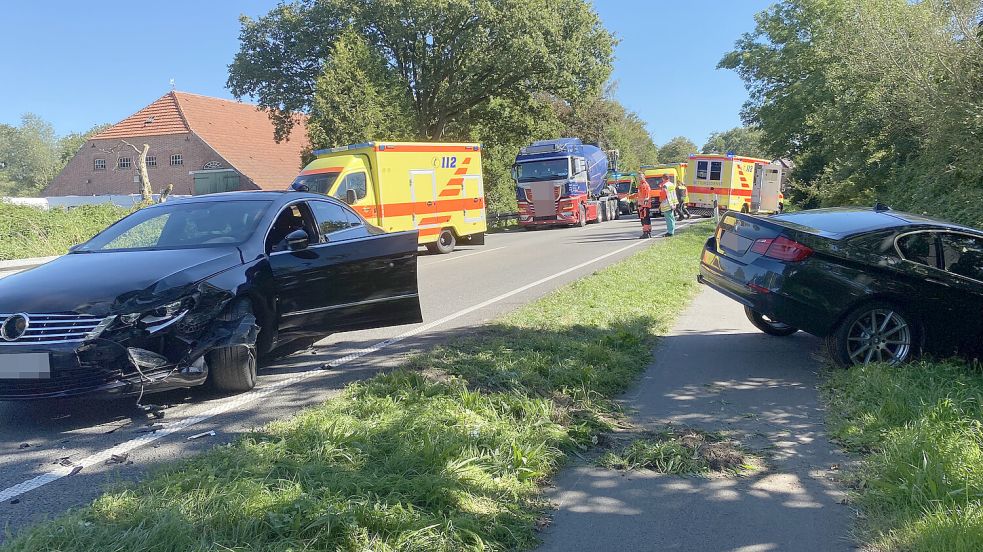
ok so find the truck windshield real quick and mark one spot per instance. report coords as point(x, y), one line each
point(623, 187)
point(550, 169)
point(318, 183)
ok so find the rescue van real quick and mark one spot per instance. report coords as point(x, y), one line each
point(397, 186)
point(744, 184)
point(626, 185)
point(676, 171)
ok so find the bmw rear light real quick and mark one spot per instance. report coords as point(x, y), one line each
point(782, 248)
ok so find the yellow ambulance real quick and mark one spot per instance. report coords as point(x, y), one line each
point(745, 184)
point(435, 188)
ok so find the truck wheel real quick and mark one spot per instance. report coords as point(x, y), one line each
point(602, 211)
point(583, 216)
point(445, 242)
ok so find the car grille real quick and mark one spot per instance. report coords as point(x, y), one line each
point(55, 328)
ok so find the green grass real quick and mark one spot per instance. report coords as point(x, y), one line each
point(679, 452)
point(447, 453)
point(31, 232)
point(920, 481)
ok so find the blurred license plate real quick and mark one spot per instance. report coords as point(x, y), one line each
point(25, 366)
point(733, 243)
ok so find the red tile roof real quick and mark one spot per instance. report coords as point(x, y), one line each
point(159, 118)
point(241, 133)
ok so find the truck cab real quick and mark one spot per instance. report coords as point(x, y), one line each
point(559, 182)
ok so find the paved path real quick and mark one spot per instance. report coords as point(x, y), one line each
point(718, 373)
point(458, 291)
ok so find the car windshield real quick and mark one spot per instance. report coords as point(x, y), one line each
point(182, 225)
point(320, 183)
point(550, 169)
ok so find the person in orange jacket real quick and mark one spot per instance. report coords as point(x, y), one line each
point(644, 202)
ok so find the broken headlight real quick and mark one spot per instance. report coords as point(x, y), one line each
point(158, 318)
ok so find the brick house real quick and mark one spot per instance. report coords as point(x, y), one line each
point(198, 143)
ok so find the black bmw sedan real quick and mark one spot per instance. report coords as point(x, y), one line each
point(193, 291)
point(878, 285)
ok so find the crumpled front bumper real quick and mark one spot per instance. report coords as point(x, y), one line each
point(127, 364)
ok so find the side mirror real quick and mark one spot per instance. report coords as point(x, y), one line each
point(298, 240)
point(351, 197)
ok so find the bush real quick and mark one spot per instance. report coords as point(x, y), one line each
point(31, 232)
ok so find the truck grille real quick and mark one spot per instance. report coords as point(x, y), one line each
point(53, 328)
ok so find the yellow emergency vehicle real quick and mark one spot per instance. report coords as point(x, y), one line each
point(676, 171)
point(745, 184)
point(434, 188)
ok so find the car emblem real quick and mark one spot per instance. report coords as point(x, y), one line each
point(14, 327)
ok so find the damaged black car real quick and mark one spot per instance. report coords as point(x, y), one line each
point(194, 291)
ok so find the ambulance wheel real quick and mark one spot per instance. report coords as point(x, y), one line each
point(583, 216)
point(445, 242)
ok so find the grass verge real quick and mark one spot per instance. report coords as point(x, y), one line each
point(447, 453)
point(920, 482)
point(31, 232)
point(680, 452)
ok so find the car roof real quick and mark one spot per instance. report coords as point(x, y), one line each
point(280, 196)
point(840, 222)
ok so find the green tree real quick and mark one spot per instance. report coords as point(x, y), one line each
point(677, 150)
point(450, 57)
point(871, 99)
point(30, 156)
point(740, 140)
point(69, 144)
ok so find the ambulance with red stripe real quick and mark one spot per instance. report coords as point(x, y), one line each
point(744, 184)
point(436, 188)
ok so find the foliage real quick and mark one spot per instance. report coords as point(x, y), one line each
point(677, 150)
point(447, 453)
point(448, 56)
point(681, 452)
point(920, 484)
point(31, 155)
point(499, 72)
point(872, 98)
point(741, 140)
point(30, 232)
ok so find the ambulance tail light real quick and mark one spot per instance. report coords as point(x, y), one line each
point(782, 248)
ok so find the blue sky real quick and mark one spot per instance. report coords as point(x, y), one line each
point(78, 64)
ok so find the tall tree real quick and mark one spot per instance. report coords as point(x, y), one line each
point(871, 99)
point(449, 57)
point(740, 140)
point(29, 153)
point(677, 150)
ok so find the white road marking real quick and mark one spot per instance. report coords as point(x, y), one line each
point(456, 257)
point(256, 394)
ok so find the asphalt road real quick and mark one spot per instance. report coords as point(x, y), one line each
point(60, 454)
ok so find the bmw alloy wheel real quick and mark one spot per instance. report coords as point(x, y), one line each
point(879, 335)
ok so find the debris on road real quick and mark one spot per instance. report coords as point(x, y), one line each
point(203, 434)
point(24, 445)
point(117, 459)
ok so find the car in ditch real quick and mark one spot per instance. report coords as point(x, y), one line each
point(878, 285)
point(195, 290)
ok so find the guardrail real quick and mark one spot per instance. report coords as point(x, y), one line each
point(501, 217)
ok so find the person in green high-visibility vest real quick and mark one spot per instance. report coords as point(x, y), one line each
point(667, 204)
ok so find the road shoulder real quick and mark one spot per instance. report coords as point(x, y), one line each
point(714, 372)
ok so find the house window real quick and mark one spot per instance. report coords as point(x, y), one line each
point(176, 159)
point(124, 163)
point(151, 161)
point(98, 164)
